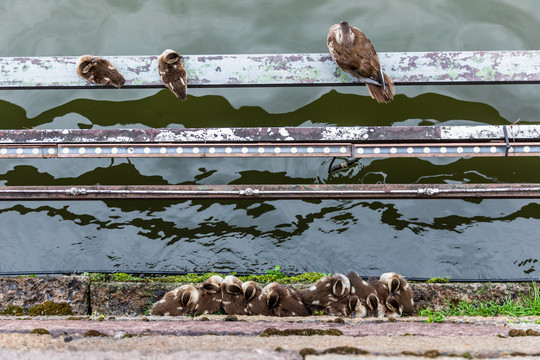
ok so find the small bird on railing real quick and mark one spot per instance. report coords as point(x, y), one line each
point(99, 71)
point(173, 73)
point(353, 53)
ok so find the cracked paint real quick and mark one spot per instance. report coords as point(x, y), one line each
point(282, 69)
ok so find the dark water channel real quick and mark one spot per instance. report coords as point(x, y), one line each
point(489, 239)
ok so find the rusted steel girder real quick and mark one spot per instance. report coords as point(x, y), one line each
point(268, 192)
point(353, 134)
point(413, 68)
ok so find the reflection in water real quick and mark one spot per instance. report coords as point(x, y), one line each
point(457, 238)
point(333, 108)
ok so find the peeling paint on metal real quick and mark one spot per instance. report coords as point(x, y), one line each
point(274, 134)
point(283, 69)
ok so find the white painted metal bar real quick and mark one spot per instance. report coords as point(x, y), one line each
point(323, 134)
point(413, 68)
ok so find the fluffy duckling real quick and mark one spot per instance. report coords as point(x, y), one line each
point(283, 301)
point(209, 300)
point(232, 296)
point(353, 53)
point(173, 73)
point(384, 297)
point(326, 291)
point(350, 305)
point(401, 297)
point(179, 301)
point(256, 302)
point(99, 71)
point(368, 294)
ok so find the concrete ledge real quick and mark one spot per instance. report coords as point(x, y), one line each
point(118, 299)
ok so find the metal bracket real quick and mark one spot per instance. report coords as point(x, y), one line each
point(249, 192)
point(77, 191)
point(428, 191)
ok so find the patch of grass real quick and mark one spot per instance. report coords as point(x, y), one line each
point(528, 306)
point(274, 275)
point(438, 280)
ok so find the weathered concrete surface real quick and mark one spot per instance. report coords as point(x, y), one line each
point(479, 337)
point(27, 292)
point(247, 326)
point(149, 354)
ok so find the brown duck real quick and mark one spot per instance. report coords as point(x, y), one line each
point(179, 301)
point(353, 53)
point(326, 291)
point(255, 299)
point(400, 298)
point(99, 71)
point(209, 300)
point(173, 73)
point(232, 296)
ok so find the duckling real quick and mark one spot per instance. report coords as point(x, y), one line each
point(401, 297)
point(353, 53)
point(367, 293)
point(326, 291)
point(209, 300)
point(179, 301)
point(255, 299)
point(383, 294)
point(232, 296)
point(283, 301)
point(173, 73)
point(350, 305)
point(99, 71)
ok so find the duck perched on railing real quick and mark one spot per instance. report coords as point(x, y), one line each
point(337, 295)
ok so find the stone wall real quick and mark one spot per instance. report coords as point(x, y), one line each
point(110, 298)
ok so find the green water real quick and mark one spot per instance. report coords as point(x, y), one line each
point(461, 239)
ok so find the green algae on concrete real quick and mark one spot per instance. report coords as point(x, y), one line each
point(50, 308)
point(300, 332)
point(40, 331)
point(12, 310)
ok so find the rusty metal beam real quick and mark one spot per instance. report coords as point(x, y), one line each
point(267, 192)
point(414, 68)
point(327, 134)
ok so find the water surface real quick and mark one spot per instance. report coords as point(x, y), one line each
point(490, 239)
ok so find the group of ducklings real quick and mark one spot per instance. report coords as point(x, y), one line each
point(337, 295)
point(350, 48)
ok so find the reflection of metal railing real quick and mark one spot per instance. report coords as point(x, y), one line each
point(267, 192)
point(482, 67)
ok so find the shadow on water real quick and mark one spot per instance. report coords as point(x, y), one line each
point(333, 108)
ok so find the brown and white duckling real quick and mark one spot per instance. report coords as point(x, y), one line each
point(350, 305)
point(384, 297)
point(326, 291)
point(283, 301)
point(401, 297)
point(256, 302)
point(209, 300)
point(99, 71)
point(232, 296)
point(368, 294)
point(179, 301)
point(353, 53)
point(173, 73)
